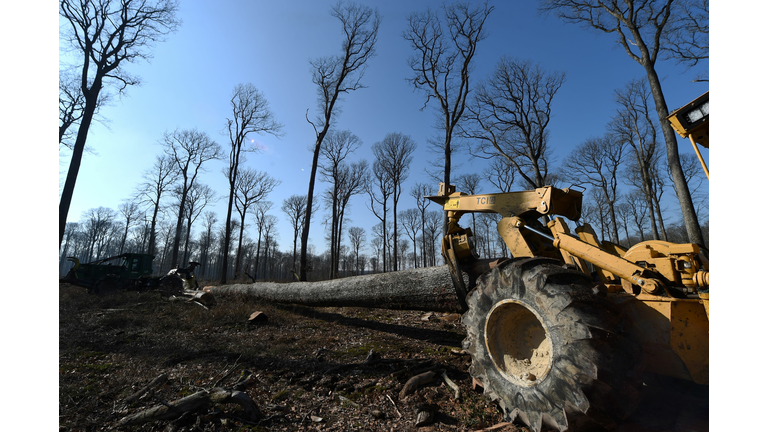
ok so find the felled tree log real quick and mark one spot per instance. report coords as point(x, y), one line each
point(428, 289)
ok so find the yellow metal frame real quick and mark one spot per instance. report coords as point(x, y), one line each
point(652, 277)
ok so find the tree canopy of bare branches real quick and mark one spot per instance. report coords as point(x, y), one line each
point(336, 147)
point(250, 114)
point(251, 188)
point(509, 116)
point(634, 125)
point(394, 155)
point(441, 64)
point(295, 207)
point(335, 76)
point(105, 35)
point(157, 181)
point(642, 28)
point(188, 150)
point(596, 162)
point(419, 191)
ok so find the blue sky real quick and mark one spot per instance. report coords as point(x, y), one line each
point(220, 44)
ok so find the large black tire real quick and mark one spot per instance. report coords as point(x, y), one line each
point(550, 349)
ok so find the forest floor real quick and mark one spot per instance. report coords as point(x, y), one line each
point(305, 368)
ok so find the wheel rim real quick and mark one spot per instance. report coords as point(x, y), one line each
point(518, 343)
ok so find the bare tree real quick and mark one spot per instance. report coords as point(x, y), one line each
point(639, 210)
point(250, 114)
point(260, 213)
point(394, 154)
point(156, 182)
point(468, 183)
point(207, 238)
point(633, 124)
point(295, 207)
point(336, 76)
point(252, 187)
point(199, 197)
point(624, 216)
point(509, 116)
point(419, 191)
point(354, 178)
point(335, 148)
point(268, 226)
point(687, 39)
point(188, 150)
point(130, 211)
point(433, 227)
point(379, 190)
point(98, 222)
point(501, 174)
point(356, 240)
point(412, 224)
point(596, 162)
point(442, 63)
point(642, 29)
point(105, 35)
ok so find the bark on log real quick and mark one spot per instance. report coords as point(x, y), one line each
point(427, 289)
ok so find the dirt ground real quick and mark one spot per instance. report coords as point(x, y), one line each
point(333, 369)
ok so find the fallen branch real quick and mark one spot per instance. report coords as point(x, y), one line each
point(393, 403)
point(193, 402)
point(417, 381)
point(451, 384)
point(160, 379)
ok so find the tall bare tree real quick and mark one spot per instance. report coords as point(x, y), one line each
point(412, 223)
point(295, 207)
point(98, 222)
point(199, 197)
point(250, 114)
point(433, 226)
point(419, 191)
point(353, 180)
point(509, 116)
point(634, 124)
point(356, 240)
point(643, 29)
point(334, 150)
point(262, 220)
point(252, 187)
point(188, 149)
point(157, 181)
point(207, 237)
point(336, 76)
point(379, 190)
point(106, 35)
point(596, 162)
point(130, 211)
point(441, 65)
point(394, 154)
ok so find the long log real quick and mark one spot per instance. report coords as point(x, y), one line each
point(427, 289)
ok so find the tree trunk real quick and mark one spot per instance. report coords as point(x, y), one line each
point(673, 159)
point(308, 216)
point(429, 289)
point(77, 155)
